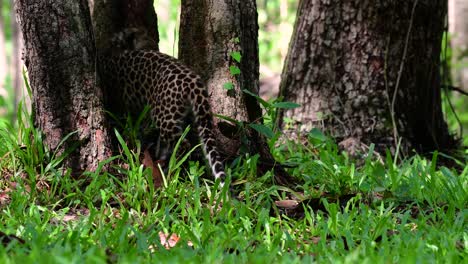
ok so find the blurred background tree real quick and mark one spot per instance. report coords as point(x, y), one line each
point(12, 88)
point(457, 58)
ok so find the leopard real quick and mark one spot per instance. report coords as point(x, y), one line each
point(138, 77)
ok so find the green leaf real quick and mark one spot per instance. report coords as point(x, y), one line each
point(227, 118)
point(316, 134)
point(252, 94)
point(262, 129)
point(263, 102)
point(127, 151)
point(286, 105)
point(234, 70)
point(228, 86)
point(236, 56)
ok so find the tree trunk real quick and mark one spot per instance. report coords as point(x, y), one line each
point(211, 33)
point(3, 58)
point(458, 25)
point(369, 72)
point(119, 18)
point(114, 17)
point(17, 66)
point(207, 50)
point(59, 55)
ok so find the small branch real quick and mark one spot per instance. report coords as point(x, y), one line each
point(400, 72)
point(456, 89)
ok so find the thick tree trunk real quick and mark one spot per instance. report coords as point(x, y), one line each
point(59, 56)
point(369, 72)
point(211, 32)
point(120, 19)
point(113, 17)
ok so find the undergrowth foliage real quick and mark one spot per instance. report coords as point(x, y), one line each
point(345, 210)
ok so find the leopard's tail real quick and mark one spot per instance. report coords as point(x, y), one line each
point(204, 121)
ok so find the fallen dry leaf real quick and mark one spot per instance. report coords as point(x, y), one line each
point(148, 162)
point(4, 198)
point(168, 243)
point(287, 204)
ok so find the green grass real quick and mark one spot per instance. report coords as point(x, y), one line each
point(373, 210)
point(370, 210)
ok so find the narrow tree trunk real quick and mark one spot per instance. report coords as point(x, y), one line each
point(3, 57)
point(369, 72)
point(59, 56)
point(17, 66)
point(211, 32)
point(91, 7)
point(458, 25)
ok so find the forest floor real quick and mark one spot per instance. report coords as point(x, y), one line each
point(376, 210)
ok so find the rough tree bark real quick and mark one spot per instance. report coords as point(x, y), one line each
point(210, 32)
point(59, 56)
point(368, 71)
point(113, 17)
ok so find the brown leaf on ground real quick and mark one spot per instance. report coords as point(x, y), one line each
point(15, 185)
point(5, 198)
point(315, 240)
point(295, 209)
point(169, 241)
point(287, 204)
point(157, 176)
